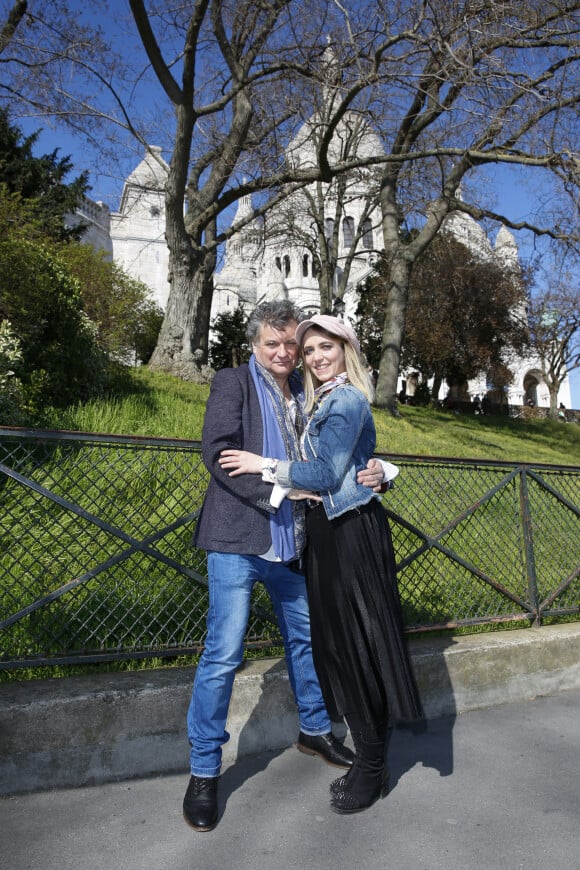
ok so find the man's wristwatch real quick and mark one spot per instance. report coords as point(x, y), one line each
point(269, 470)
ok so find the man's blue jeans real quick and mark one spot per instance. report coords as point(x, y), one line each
point(231, 580)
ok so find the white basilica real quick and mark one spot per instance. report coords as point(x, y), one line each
point(278, 256)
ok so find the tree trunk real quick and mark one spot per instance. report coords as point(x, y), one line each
point(325, 285)
point(201, 337)
point(185, 327)
point(401, 256)
point(553, 390)
point(393, 332)
point(179, 333)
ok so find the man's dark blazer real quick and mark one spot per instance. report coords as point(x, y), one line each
point(235, 513)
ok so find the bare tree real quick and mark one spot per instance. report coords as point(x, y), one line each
point(224, 90)
point(242, 110)
point(64, 67)
point(553, 322)
point(460, 85)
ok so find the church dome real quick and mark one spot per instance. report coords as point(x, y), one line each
point(353, 135)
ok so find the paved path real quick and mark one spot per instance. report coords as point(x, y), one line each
point(494, 788)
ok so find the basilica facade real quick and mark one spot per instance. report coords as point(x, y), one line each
point(276, 257)
point(279, 256)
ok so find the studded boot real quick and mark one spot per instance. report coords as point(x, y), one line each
point(367, 780)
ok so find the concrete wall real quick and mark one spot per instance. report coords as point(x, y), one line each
point(85, 730)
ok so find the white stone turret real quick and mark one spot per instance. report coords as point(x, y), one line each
point(506, 249)
point(138, 228)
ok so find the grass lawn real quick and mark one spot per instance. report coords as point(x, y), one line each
point(164, 406)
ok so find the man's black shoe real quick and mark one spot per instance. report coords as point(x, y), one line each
point(327, 747)
point(200, 809)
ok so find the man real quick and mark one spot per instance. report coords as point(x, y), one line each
point(255, 407)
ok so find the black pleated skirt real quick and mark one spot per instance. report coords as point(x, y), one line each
point(359, 649)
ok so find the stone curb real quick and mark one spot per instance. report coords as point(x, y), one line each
point(86, 730)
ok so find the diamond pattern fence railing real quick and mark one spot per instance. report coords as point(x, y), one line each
point(96, 560)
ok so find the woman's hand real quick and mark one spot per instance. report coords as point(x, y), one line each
point(238, 462)
point(301, 494)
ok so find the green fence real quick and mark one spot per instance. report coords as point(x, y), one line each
point(96, 561)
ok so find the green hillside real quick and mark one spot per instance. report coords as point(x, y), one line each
point(161, 405)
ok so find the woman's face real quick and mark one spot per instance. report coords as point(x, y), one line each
point(323, 355)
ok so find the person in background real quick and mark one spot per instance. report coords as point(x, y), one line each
point(259, 407)
point(358, 643)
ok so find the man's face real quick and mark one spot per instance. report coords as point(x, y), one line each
point(277, 350)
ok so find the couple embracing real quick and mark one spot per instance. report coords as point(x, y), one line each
point(290, 486)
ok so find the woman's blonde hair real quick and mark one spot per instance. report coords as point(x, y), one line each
point(355, 370)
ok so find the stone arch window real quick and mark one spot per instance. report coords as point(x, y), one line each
point(305, 264)
point(367, 233)
point(286, 265)
point(278, 264)
point(531, 384)
point(347, 232)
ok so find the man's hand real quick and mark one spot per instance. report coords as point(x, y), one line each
point(240, 462)
point(372, 475)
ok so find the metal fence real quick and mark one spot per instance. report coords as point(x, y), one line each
point(96, 561)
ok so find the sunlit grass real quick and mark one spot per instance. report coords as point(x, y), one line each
point(428, 432)
point(164, 406)
point(158, 406)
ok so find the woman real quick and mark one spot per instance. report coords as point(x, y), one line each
point(355, 611)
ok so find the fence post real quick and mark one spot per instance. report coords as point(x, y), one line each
point(529, 547)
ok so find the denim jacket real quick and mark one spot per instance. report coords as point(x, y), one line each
point(339, 440)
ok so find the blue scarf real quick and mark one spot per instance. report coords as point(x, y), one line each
point(280, 441)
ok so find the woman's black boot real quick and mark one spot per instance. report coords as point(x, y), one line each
point(341, 783)
point(367, 780)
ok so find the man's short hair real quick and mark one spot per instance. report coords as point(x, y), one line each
point(277, 314)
